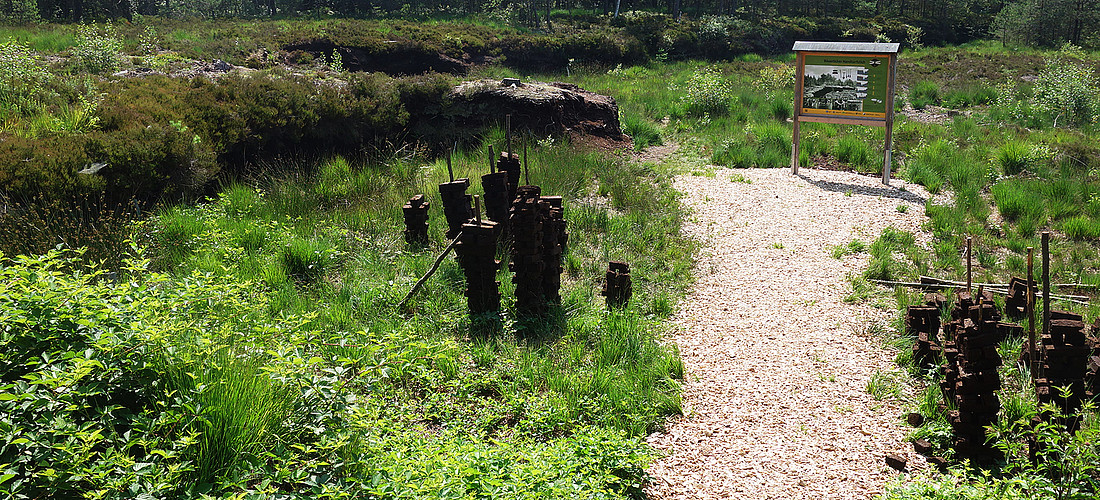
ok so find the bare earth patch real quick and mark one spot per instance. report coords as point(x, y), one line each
point(775, 393)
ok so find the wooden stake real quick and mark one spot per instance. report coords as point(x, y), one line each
point(492, 160)
point(1031, 311)
point(431, 271)
point(477, 209)
point(450, 172)
point(969, 279)
point(981, 296)
point(1046, 282)
point(508, 133)
point(526, 171)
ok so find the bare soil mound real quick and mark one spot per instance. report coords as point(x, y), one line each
point(542, 108)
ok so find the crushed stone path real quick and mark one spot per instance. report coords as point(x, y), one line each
point(776, 368)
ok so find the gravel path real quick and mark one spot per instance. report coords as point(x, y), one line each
point(775, 393)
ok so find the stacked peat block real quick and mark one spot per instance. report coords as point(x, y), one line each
point(923, 324)
point(498, 201)
point(476, 252)
point(617, 288)
point(553, 246)
point(971, 377)
point(416, 220)
point(456, 205)
point(526, 222)
point(1064, 362)
point(1016, 301)
point(509, 164)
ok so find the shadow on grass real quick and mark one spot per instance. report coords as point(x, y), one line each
point(544, 329)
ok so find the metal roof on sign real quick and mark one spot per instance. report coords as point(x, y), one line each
point(862, 47)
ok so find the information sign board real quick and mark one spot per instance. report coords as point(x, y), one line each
point(845, 82)
point(845, 85)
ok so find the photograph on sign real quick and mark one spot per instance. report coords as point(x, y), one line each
point(852, 85)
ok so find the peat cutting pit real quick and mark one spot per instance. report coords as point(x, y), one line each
point(397, 58)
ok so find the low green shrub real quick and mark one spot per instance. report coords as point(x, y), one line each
point(782, 110)
point(98, 49)
point(1014, 157)
point(307, 259)
point(883, 265)
point(706, 92)
point(1081, 228)
point(1068, 89)
point(644, 132)
point(765, 145)
point(854, 151)
point(924, 93)
point(1018, 200)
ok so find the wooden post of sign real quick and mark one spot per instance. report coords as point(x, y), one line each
point(888, 154)
point(799, 81)
point(821, 108)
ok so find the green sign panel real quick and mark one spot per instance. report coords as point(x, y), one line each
point(851, 85)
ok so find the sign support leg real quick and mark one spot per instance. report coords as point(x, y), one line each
point(794, 148)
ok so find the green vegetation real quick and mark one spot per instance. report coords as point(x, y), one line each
point(229, 326)
point(923, 94)
point(255, 347)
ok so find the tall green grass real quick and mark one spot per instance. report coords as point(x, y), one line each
point(323, 244)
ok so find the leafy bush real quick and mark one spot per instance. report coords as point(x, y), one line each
point(706, 92)
point(23, 80)
point(775, 81)
point(98, 50)
point(1068, 89)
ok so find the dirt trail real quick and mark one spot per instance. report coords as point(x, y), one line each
point(775, 394)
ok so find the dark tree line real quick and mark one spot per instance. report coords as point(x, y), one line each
point(1028, 22)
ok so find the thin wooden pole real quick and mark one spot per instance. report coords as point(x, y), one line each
point(450, 171)
point(1031, 311)
point(1046, 283)
point(492, 160)
point(981, 299)
point(969, 275)
point(508, 133)
point(798, 90)
point(889, 146)
point(526, 171)
point(431, 271)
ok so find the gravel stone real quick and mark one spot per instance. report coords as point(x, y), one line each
point(774, 394)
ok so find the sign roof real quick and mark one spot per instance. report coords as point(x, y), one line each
point(864, 47)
